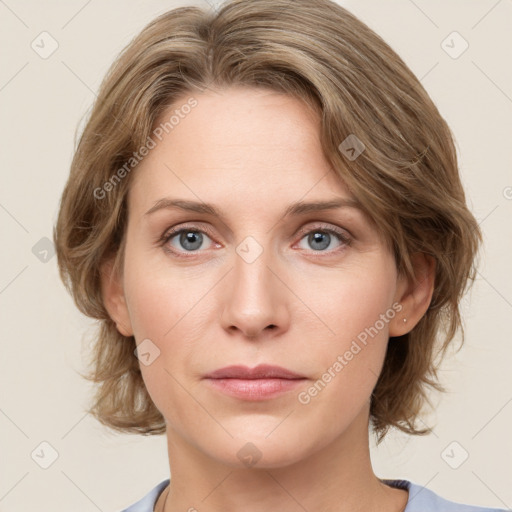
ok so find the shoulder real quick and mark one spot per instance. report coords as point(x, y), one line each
point(422, 499)
point(147, 502)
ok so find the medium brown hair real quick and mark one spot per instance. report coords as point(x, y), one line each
point(406, 178)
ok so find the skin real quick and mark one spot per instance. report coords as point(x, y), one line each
point(252, 152)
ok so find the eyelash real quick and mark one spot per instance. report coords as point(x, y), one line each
point(169, 235)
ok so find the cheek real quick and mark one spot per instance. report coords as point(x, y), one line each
point(160, 298)
point(170, 307)
point(357, 310)
point(353, 302)
point(162, 311)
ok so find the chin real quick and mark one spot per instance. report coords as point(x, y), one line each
point(256, 451)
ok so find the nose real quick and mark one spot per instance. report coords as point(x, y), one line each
point(255, 299)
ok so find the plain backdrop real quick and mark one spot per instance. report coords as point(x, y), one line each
point(44, 338)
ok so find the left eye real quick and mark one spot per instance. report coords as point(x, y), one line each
point(190, 240)
point(320, 239)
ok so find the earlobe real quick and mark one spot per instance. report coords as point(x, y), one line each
point(414, 295)
point(114, 299)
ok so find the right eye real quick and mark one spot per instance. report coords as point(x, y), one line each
point(184, 240)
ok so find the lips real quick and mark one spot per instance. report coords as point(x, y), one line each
point(262, 383)
point(262, 371)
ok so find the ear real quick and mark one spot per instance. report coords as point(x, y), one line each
point(114, 299)
point(414, 295)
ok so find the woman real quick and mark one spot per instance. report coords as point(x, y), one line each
point(265, 213)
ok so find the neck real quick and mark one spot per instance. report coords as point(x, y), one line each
point(337, 477)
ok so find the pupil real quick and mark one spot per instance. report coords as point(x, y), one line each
point(318, 238)
point(190, 238)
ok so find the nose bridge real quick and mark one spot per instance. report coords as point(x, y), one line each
point(251, 273)
point(255, 298)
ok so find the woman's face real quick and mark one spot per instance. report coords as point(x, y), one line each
point(312, 291)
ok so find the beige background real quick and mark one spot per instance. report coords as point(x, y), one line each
point(43, 398)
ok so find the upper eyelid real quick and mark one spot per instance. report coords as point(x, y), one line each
point(323, 226)
point(193, 226)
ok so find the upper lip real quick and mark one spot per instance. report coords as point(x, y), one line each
point(262, 371)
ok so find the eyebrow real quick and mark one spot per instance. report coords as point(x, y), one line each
point(298, 208)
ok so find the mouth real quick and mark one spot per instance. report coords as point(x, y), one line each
point(260, 383)
point(262, 371)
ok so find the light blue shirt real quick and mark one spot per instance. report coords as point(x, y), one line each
point(420, 499)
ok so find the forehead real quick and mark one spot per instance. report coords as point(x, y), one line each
point(251, 143)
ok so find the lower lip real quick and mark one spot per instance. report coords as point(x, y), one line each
point(255, 389)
